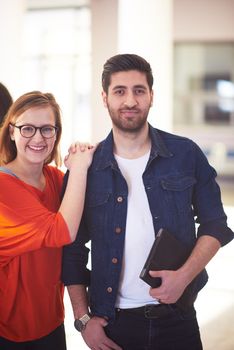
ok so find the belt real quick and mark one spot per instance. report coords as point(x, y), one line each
point(151, 311)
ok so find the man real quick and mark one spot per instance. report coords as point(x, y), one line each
point(141, 179)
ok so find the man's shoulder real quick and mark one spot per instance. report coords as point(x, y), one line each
point(169, 136)
point(171, 141)
point(104, 150)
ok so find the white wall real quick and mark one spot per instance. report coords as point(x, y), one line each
point(204, 20)
point(104, 44)
point(133, 26)
point(145, 28)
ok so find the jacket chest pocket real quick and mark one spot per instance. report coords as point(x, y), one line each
point(178, 192)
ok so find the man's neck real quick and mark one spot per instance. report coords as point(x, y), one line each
point(131, 145)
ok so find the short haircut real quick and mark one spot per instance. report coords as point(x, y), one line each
point(125, 62)
point(33, 99)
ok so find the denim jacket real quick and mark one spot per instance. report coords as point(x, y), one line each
point(181, 190)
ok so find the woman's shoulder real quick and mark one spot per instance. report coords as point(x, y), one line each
point(52, 173)
point(7, 171)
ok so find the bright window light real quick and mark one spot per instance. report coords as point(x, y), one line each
point(57, 59)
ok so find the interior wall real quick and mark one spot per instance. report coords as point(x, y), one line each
point(104, 45)
point(116, 29)
point(204, 20)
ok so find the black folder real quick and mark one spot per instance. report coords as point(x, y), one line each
point(167, 253)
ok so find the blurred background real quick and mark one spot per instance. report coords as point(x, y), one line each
point(60, 46)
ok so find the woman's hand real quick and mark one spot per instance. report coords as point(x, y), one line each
point(81, 145)
point(80, 155)
point(71, 208)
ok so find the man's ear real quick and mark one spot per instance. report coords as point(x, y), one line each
point(152, 98)
point(104, 98)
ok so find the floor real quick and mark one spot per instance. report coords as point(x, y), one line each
point(215, 305)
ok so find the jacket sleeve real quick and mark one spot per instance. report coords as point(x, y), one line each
point(207, 202)
point(25, 223)
point(75, 260)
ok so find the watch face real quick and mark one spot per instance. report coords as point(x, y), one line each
point(79, 325)
point(81, 322)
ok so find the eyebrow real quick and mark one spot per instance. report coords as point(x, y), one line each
point(139, 86)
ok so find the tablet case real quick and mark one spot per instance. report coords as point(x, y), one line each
point(167, 253)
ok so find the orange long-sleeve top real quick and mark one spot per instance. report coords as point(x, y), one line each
point(32, 234)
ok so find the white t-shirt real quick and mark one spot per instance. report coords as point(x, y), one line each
point(133, 292)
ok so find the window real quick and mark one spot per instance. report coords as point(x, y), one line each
point(204, 83)
point(204, 99)
point(57, 59)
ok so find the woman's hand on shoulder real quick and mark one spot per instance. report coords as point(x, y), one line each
point(80, 154)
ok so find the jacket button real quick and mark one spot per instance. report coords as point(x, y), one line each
point(114, 260)
point(120, 199)
point(109, 290)
point(118, 230)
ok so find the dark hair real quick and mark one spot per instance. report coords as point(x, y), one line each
point(125, 62)
point(33, 99)
point(5, 101)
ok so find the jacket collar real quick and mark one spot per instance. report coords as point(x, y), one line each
point(106, 156)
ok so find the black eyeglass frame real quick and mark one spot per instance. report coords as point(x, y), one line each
point(35, 130)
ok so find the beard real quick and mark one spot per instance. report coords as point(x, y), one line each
point(130, 125)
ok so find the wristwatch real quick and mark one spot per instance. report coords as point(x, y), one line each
point(80, 323)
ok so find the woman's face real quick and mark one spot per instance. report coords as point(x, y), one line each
point(37, 148)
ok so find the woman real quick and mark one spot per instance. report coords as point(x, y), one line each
point(33, 224)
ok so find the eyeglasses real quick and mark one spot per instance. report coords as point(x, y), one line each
point(47, 131)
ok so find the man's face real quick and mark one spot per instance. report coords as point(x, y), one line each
point(128, 100)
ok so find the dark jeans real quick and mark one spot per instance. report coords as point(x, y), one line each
point(53, 341)
point(171, 330)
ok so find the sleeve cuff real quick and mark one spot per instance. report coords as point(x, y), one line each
point(217, 230)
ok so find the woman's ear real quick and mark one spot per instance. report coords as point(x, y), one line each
point(11, 132)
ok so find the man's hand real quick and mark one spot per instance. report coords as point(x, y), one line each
point(95, 337)
point(175, 282)
point(172, 287)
